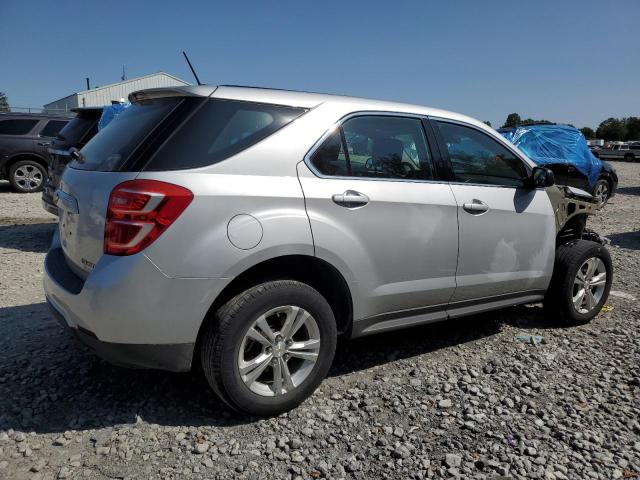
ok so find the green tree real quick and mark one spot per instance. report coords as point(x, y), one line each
point(531, 121)
point(633, 128)
point(513, 120)
point(612, 129)
point(4, 102)
point(588, 133)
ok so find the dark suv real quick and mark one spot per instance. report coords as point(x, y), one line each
point(75, 134)
point(24, 139)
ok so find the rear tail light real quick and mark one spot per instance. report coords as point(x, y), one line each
point(139, 211)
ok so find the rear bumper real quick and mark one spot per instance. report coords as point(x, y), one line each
point(49, 206)
point(171, 357)
point(128, 311)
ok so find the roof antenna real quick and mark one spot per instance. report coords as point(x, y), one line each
point(191, 67)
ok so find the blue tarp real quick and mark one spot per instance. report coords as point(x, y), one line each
point(110, 112)
point(546, 144)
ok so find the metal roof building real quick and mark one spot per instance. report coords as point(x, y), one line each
point(100, 96)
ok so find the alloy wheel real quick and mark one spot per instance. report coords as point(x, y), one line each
point(28, 177)
point(589, 285)
point(279, 351)
point(601, 192)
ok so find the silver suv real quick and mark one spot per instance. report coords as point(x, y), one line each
point(247, 228)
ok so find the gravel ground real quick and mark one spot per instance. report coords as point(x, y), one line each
point(463, 398)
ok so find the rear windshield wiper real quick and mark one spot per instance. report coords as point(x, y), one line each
point(76, 155)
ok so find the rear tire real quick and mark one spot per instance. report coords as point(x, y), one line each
point(578, 288)
point(254, 331)
point(629, 157)
point(27, 176)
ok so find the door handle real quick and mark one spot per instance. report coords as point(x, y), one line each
point(350, 199)
point(476, 207)
point(44, 144)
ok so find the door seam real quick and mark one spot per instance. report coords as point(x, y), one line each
point(306, 211)
point(455, 276)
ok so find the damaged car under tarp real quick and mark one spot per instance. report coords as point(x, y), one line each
point(564, 150)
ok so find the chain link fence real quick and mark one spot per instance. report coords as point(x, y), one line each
point(27, 110)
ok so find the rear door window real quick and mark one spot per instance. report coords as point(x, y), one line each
point(17, 126)
point(218, 130)
point(385, 147)
point(52, 128)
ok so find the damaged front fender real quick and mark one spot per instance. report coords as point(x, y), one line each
point(571, 207)
point(569, 202)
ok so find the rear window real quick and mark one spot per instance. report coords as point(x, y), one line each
point(17, 126)
point(76, 130)
point(218, 130)
point(52, 128)
point(181, 133)
point(113, 145)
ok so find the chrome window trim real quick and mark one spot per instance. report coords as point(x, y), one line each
point(367, 113)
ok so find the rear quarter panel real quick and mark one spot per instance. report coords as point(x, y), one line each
point(197, 245)
point(260, 181)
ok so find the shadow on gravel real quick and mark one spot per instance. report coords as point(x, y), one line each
point(628, 191)
point(629, 240)
point(49, 383)
point(363, 353)
point(32, 237)
point(527, 317)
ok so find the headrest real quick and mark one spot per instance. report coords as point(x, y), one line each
point(387, 150)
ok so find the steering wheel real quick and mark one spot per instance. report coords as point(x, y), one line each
point(411, 166)
point(369, 163)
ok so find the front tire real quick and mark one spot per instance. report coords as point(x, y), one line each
point(629, 157)
point(581, 282)
point(267, 349)
point(602, 191)
point(27, 176)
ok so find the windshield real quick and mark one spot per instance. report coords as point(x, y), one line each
point(113, 145)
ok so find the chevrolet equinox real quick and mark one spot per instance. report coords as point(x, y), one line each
point(246, 228)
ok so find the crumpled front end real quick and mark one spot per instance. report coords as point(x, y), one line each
point(571, 207)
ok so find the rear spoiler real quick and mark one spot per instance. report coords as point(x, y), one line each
point(187, 91)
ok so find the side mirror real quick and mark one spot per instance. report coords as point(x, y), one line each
point(541, 177)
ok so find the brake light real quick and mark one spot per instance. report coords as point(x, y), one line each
point(139, 211)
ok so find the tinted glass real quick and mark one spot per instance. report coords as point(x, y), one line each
point(76, 130)
point(114, 144)
point(478, 158)
point(330, 158)
point(52, 128)
point(16, 126)
point(377, 147)
point(218, 130)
